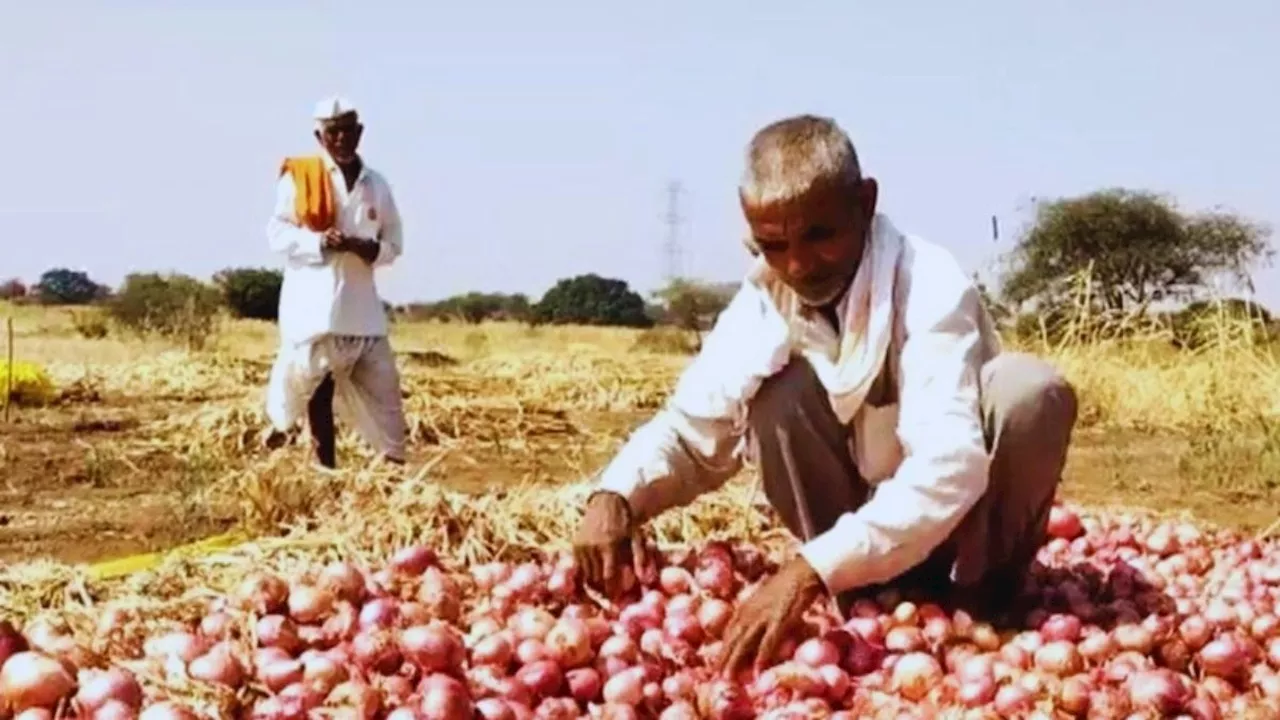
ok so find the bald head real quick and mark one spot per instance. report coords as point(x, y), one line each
point(787, 158)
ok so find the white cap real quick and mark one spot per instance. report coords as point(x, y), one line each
point(332, 107)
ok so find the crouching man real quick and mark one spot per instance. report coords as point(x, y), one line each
point(860, 368)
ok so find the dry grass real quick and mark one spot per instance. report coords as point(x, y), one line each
point(527, 413)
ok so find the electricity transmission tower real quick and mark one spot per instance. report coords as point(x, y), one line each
point(672, 252)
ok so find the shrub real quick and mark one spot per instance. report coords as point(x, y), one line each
point(592, 300)
point(90, 324)
point(31, 384)
point(252, 293)
point(174, 306)
point(12, 289)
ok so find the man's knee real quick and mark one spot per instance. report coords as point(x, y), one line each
point(782, 395)
point(1025, 392)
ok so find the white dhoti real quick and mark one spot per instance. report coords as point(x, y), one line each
point(366, 387)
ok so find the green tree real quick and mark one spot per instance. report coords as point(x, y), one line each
point(173, 306)
point(60, 286)
point(252, 293)
point(1135, 246)
point(592, 300)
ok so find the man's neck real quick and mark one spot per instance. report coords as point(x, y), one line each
point(351, 171)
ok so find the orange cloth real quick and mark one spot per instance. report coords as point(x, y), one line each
point(313, 205)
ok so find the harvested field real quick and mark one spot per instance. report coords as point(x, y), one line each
point(148, 447)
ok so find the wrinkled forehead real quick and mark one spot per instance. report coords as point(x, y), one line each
point(826, 205)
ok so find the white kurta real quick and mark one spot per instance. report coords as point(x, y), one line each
point(926, 454)
point(331, 317)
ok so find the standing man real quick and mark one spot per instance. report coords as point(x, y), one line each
point(894, 438)
point(335, 221)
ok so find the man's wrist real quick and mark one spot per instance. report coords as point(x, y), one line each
point(809, 581)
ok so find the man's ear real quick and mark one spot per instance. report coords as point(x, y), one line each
point(868, 195)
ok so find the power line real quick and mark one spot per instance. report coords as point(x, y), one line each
point(672, 252)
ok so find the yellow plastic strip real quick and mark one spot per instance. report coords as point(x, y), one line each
point(146, 561)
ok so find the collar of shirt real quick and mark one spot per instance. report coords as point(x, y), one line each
point(336, 172)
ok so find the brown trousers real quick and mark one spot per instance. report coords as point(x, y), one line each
point(811, 479)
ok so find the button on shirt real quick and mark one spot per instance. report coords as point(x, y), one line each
point(925, 453)
point(327, 292)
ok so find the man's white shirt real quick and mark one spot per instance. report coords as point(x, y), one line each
point(333, 293)
point(925, 454)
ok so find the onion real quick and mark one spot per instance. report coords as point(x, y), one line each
point(714, 576)
point(1013, 701)
point(183, 646)
point(530, 650)
point(262, 593)
point(114, 709)
point(440, 594)
point(444, 698)
point(675, 580)
point(1195, 631)
point(217, 626)
point(218, 666)
point(278, 631)
point(1059, 657)
point(324, 671)
point(97, 687)
point(569, 643)
point(542, 678)
point(584, 684)
point(915, 674)
point(280, 674)
point(31, 679)
point(433, 648)
point(683, 627)
point(379, 612)
point(495, 649)
point(625, 687)
point(309, 604)
point(11, 641)
point(343, 581)
point(1157, 690)
point(413, 561)
point(714, 615)
point(816, 652)
point(1223, 657)
point(532, 624)
point(375, 651)
point(1063, 523)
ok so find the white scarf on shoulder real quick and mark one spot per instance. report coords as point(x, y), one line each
point(866, 321)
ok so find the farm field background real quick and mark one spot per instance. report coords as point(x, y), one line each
point(149, 446)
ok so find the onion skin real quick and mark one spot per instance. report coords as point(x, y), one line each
point(31, 679)
point(97, 687)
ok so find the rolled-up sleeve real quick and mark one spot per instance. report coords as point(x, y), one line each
point(284, 235)
point(945, 463)
point(695, 443)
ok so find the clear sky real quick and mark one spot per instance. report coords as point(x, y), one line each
point(528, 141)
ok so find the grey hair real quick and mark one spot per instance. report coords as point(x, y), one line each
point(788, 157)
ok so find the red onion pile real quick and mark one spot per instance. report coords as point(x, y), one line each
point(1127, 619)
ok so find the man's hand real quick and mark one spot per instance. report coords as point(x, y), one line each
point(367, 250)
point(607, 542)
point(768, 616)
point(333, 240)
